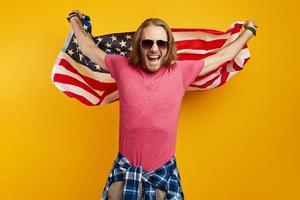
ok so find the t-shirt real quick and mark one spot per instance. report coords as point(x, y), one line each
point(149, 108)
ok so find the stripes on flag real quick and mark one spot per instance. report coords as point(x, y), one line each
point(78, 77)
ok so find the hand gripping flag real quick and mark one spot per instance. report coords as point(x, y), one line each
point(78, 77)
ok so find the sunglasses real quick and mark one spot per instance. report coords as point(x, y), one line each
point(148, 44)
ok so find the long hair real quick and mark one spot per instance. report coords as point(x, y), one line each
point(135, 56)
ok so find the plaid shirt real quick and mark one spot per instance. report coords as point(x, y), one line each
point(165, 178)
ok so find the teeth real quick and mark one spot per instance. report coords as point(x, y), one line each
point(153, 56)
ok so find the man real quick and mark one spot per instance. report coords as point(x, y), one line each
point(151, 86)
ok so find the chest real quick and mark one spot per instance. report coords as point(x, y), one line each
point(166, 87)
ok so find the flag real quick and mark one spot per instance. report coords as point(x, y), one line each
point(78, 77)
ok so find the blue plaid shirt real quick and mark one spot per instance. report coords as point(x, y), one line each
point(166, 178)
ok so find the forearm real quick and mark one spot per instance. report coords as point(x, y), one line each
point(231, 50)
point(84, 41)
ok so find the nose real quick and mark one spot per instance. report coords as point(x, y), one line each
point(154, 47)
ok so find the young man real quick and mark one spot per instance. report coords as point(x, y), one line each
point(151, 86)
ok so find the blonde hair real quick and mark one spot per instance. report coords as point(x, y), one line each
point(135, 56)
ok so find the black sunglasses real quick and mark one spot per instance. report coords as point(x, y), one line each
point(147, 44)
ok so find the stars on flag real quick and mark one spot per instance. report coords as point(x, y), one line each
point(128, 37)
point(97, 67)
point(118, 49)
point(108, 45)
point(70, 52)
point(113, 38)
point(123, 53)
point(118, 44)
point(99, 39)
point(75, 41)
point(80, 57)
point(123, 43)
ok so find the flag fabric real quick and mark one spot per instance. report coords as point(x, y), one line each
point(77, 76)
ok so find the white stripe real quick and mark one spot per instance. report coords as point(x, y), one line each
point(66, 44)
point(79, 91)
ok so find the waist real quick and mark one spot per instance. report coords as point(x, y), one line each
point(146, 148)
point(170, 164)
point(165, 178)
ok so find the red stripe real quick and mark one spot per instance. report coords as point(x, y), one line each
point(107, 88)
point(62, 78)
point(109, 91)
point(206, 84)
point(80, 98)
point(200, 44)
point(210, 81)
point(90, 81)
point(224, 76)
point(189, 56)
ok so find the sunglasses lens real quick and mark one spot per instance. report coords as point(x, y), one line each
point(147, 44)
point(161, 44)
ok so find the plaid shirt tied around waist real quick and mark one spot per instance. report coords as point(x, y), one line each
point(166, 178)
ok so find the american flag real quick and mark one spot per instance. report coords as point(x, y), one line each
point(78, 77)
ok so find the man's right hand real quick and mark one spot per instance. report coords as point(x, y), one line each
point(85, 43)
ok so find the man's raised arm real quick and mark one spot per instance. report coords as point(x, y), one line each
point(86, 45)
point(229, 52)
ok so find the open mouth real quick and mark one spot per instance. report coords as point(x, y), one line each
point(153, 58)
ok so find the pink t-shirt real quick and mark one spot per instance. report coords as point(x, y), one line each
point(149, 108)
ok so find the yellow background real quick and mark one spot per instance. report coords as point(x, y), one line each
point(237, 142)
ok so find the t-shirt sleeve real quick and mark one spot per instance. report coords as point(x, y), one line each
point(114, 64)
point(190, 70)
